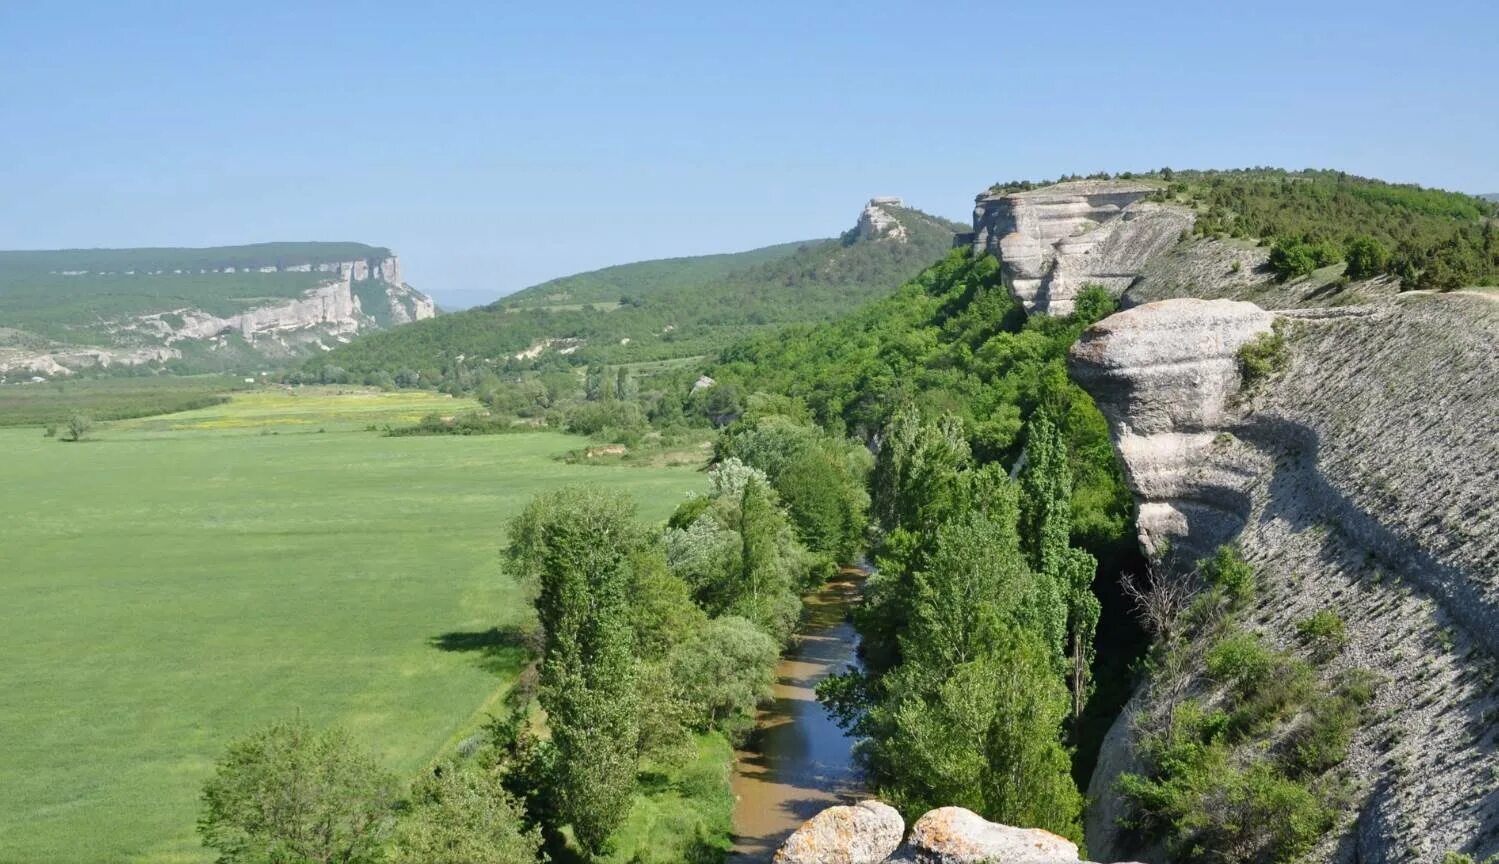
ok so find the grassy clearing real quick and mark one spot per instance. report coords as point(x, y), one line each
point(291, 409)
point(180, 580)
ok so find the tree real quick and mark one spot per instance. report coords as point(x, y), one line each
point(290, 794)
point(77, 427)
point(576, 545)
point(464, 815)
point(1067, 609)
point(1367, 258)
point(725, 670)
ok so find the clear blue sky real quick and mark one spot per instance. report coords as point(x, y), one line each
point(497, 144)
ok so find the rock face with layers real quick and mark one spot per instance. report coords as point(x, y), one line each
point(1162, 374)
point(1055, 240)
point(1360, 482)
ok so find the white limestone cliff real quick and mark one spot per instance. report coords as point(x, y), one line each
point(1056, 240)
point(332, 310)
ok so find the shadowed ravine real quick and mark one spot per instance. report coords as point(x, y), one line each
point(797, 761)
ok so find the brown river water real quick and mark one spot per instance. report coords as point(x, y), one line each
point(797, 761)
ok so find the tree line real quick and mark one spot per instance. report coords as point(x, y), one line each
point(648, 638)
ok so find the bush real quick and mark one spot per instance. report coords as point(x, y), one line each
point(1207, 807)
point(1323, 632)
point(78, 426)
point(1094, 303)
point(1242, 662)
point(1228, 573)
point(1263, 356)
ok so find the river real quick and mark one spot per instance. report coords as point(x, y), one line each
point(797, 761)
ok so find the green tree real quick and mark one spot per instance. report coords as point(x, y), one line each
point(1068, 610)
point(78, 426)
point(1367, 258)
point(290, 794)
point(725, 670)
point(973, 714)
point(576, 545)
point(464, 815)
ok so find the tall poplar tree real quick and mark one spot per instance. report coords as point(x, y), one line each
point(1068, 608)
point(576, 545)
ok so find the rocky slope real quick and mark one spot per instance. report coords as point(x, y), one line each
point(100, 308)
point(1360, 481)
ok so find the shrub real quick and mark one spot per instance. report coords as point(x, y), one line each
point(1324, 633)
point(1094, 303)
point(1263, 356)
point(78, 426)
point(1242, 662)
point(1229, 574)
point(1292, 258)
point(1207, 807)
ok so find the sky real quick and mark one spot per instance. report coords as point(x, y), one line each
point(497, 144)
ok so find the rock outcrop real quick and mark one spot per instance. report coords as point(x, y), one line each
point(870, 832)
point(878, 223)
point(1162, 374)
point(1055, 240)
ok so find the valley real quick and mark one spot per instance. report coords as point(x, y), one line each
point(174, 582)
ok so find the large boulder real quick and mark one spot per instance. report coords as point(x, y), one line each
point(954, 835)
point(865, 833)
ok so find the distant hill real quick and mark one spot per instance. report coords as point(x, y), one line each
point(675, 307)
point(1492, 196)
point(228, 307)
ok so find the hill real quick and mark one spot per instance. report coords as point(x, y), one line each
point(663, 309)
point(209, 309)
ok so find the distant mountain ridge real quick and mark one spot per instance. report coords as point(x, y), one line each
point(674, 307)
point(1492, 196)
point(194, 309)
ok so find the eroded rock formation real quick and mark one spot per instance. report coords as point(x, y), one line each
point(1054, 241)
point(1162, 374)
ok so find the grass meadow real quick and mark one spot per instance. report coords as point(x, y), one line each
point(179, 580)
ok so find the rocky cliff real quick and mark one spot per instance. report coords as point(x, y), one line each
point(165, 323)
point(1055, 240)
point(1360, 481)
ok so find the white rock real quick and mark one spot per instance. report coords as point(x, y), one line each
point(865, 833)
point(954, 835)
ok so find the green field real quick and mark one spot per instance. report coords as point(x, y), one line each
point(180, 580)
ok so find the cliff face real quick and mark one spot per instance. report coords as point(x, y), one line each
point(1362, 481)
point(1054, 241)
point(357, 296)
